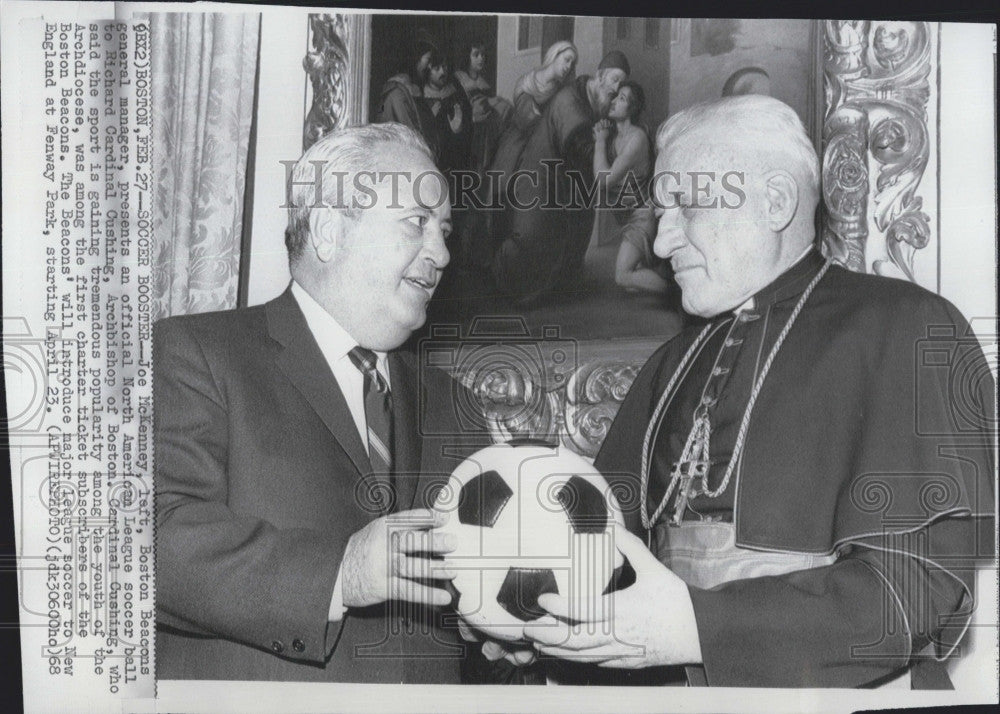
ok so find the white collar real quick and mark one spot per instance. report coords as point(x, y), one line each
point(334, 341)
point(750, 303)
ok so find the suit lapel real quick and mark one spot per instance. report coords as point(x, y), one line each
point(406, 434)
point(303, 363)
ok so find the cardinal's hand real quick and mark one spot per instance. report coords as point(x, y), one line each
point(647, 624)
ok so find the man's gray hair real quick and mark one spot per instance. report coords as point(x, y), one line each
point(344, 152)
point(770, 124)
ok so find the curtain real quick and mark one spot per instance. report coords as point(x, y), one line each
point(203, 78)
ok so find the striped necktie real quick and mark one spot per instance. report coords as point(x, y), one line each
point(378, 416)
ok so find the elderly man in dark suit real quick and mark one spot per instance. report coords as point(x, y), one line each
point(297, 446)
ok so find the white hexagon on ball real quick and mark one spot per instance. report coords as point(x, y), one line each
point(529, 518)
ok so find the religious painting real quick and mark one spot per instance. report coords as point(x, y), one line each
point(714, 36)
point(725, 57)
point(863, 90)
point(461, 80)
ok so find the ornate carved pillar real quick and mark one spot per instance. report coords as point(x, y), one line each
point(337, 65)
point(540, 386)
point(877, 147)
point(576, 414)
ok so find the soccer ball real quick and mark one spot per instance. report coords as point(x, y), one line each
point(530, 518)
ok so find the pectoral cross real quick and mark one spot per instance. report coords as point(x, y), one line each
point(691, 469)
point(690, 475)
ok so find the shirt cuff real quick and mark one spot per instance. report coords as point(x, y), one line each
point(337, 608)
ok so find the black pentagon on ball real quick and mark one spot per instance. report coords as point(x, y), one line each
point(533, 441)
point(521, 589)
point(449, 587)
point(622, 577)
point(482, 500)
point(584, 505)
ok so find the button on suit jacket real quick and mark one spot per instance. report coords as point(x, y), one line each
point(260, 482)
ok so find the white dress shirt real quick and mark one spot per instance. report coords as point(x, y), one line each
point(335, 343)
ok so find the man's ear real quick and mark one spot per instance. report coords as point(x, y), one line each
point(325, 226)
point(782, 199)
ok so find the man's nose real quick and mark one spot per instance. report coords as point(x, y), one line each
point(435, 248)
point(669, 236)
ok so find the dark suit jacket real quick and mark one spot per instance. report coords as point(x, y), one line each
point(260, 483)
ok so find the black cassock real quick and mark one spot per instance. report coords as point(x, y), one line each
point(870, 442)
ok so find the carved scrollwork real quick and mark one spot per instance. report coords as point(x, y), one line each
point(598, 382)
point(890, 46)
point(514, 404)
point(593, 396)
point(327, 67)
point(578, 413)
point(900, 145)
point(845, 187)
point(845, 42)
point(879, 69)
